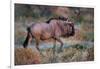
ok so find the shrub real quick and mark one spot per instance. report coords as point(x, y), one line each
point(26, 56)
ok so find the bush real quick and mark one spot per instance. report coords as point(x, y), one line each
point(26, 56)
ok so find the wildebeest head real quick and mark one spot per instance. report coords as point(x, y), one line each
point(69, 29)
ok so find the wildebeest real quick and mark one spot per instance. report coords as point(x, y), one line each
point(54, 28)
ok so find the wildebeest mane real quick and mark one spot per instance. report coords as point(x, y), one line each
point(58, 18)
point(51, 19)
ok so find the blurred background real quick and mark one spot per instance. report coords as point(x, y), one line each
point(80, 47)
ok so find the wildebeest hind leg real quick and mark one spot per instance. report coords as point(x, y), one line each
point(37, 46)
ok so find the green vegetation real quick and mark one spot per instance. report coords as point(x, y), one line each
point(89, 36)
point(79, 46)
point(78, 20)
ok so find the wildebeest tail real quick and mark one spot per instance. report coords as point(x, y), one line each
point(27, 38)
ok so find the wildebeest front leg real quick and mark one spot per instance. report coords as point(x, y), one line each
point(59, 40)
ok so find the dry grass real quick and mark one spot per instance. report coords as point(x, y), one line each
point(90, 54)
point(74, 55)
point(70, 54)
point(26, 56)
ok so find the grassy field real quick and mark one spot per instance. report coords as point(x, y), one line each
point(75, 53)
